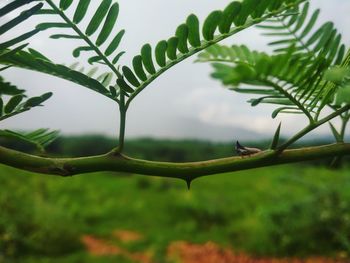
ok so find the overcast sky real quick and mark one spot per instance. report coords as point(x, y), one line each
point(183, 103)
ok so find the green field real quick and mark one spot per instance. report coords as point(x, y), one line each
point(281, 211)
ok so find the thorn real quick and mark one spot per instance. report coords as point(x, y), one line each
point(188, 182)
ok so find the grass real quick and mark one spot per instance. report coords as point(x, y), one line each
point(283, 210)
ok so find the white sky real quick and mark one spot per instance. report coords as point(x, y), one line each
point(184, 95)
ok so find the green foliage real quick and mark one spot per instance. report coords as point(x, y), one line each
point(106, 12)
point(322, 220)
point(187, 40)
point(259, 210)
point(15, 104)
point(40, 138)
point(297, 76)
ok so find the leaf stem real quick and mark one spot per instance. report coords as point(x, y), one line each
point(292, 99)
point(122, 111)
point(311, 127)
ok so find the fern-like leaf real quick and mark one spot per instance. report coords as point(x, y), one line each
point(190, 38)
point(16, 101)
point(105, 17)
point(35, 61)
point(40, 138)
point(290, 80)
point(23, 16)
point(299, 30)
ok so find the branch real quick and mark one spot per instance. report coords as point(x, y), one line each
point(186, 171)
point(313, 126)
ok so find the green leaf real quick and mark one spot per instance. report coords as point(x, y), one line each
point(260, 9)
point(129, 75)
point(13, 103)
point(182, 35)
point(326, 36)
point(117, 57)
point(19, 19)
point(25, 60)
point(13, 6)
point(81, 10)
point(302, 17)
point(280, 110)
point(211, 24)
point(246, 9)
point(77, 51)
point(40, 139)
point(36, 101)
point(107, 79)
point(192, 23)
point(99, 15)
point(58, 36)
point(124, 86)
point(228, 15)
point(276, 138)
point(65, 4)
point(310, 24)
point(7, 88)
point(340, 56)
point(172, 47)
point(327, 27)
point(37, 54)
point(138, 68)
point(94, 59)
point(110, 21)
point(343, 95)
point(160, 53)
point(115, 43)
point(146, 54)
point(17, 40)
point(46, 12)
point(45, 26)
point(113, 91)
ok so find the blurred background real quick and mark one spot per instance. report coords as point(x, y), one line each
point(292, 211)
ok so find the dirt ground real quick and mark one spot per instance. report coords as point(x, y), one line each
point(182, 251)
